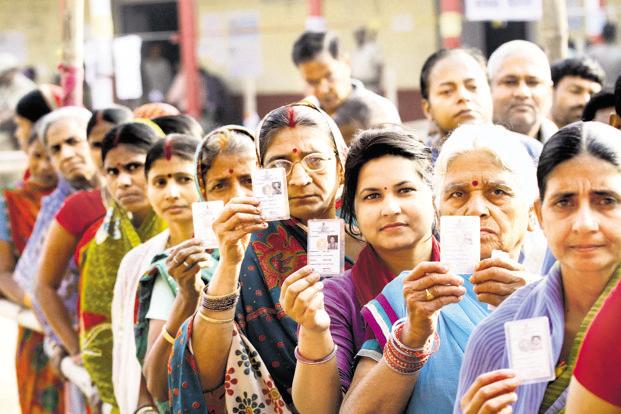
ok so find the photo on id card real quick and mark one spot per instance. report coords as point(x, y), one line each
point(326, 246)
point(529, 346)
point(204, 213)
point(269, 186)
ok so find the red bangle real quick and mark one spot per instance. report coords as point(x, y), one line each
point(403, 359)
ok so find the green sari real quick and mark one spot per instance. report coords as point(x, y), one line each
point(101, 260)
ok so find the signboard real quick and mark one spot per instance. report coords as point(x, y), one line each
point(503, 10)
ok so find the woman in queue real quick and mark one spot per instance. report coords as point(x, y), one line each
point(579, 209)
point(129, 222)
point(254, 365)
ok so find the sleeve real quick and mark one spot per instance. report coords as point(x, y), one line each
point(5, 231)
point(599, 374)
point(69, 217)
point(162, 300)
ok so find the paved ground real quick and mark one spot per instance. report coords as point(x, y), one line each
point(9, 403)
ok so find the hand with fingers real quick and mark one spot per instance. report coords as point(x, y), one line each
point(495, 279)
point(427, 289)
point(491, 393)
point(301, 297)
point(239, 218)
point(185, 260)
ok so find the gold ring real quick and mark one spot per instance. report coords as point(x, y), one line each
point(187, 266)
point(429, 295)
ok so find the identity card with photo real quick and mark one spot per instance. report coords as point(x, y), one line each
point(204, 213)
point(269, 185)
point(529, 346)
point(460, 243)
point(326, 246)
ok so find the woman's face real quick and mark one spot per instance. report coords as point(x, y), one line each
point(95, 139)
point(393, 205)
point(41, 170)
point(22, 131)
point(459, 93)
point(171, 190)
point(581, 214)
point(477, 185)
point(230, 175)
point(124, 168)
point(312, 194)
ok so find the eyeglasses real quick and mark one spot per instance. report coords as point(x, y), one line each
point(311, 163)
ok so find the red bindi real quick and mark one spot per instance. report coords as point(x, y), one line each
point(294, 150)
point(231, 171)
point(475, 183)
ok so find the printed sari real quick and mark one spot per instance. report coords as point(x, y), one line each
point(486, 349)
point(101, 260)
point(437, 382)
point(266, 337)
point(40, 389)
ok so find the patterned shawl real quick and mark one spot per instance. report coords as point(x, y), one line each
point(101, 261)
point(486, 349)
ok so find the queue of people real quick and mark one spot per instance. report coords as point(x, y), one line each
point(100, 240)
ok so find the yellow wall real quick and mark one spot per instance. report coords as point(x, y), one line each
point(40, 21)
point(282, 21)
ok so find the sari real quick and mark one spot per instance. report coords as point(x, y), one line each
point(486, 349)
point(126, 371)
point(101, 259)
point(437, 381)
point(261, 363)
point(40, 389)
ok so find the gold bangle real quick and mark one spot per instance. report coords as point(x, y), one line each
point(212, 320)
point(27, 300)
point(168, 337)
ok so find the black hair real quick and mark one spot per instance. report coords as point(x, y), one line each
point(311, 44)
point(598, 101)
point(135, 134)
point(179, 145)
point(437, 56)
point(582, 67)
point(593, 138)
point(609, 32)
point(33, 106)
point(618, 96)
point(372, 144)
point(179, 124)
point(114, 115)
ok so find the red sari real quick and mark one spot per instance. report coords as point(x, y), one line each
point(40, 389)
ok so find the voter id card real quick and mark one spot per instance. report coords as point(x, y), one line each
point(326, 246)
point(529, 346)
point(269, 186)
point(460, 243)
point(204, 213)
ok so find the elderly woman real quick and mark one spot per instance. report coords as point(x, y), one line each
point(253, 359)
point(429, 306)
point(580, 212)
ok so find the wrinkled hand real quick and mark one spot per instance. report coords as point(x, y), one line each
point(495, 279)
point(446, 288)
point(185, 260)
point(239, 218)
point(491, 393)
point(301, 297)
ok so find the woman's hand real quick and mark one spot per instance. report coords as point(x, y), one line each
point(492, 392)
point(426, 290)
point(301, 297)
point(495, 279)
point(239, 218)
point(184, 261)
